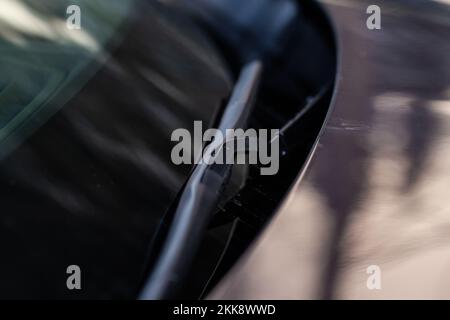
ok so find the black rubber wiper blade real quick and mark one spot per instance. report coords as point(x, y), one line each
point(200, 197)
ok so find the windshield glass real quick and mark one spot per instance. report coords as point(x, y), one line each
point(86, 116)
point(42, 58)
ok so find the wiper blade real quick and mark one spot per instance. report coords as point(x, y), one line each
point(200, 197)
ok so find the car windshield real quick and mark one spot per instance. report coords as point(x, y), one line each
point(41, 58)
point(86, 116)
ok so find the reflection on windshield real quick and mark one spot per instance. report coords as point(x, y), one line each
point(85, 170)
point(41, 58)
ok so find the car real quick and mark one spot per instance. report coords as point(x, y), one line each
point(217, 149)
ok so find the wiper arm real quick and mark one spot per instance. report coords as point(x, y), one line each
point(200, 197)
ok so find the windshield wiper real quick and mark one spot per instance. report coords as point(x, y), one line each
point(200, 197)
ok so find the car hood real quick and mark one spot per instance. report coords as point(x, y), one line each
point(376, 189)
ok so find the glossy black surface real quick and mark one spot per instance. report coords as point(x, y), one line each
point(91, 185)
